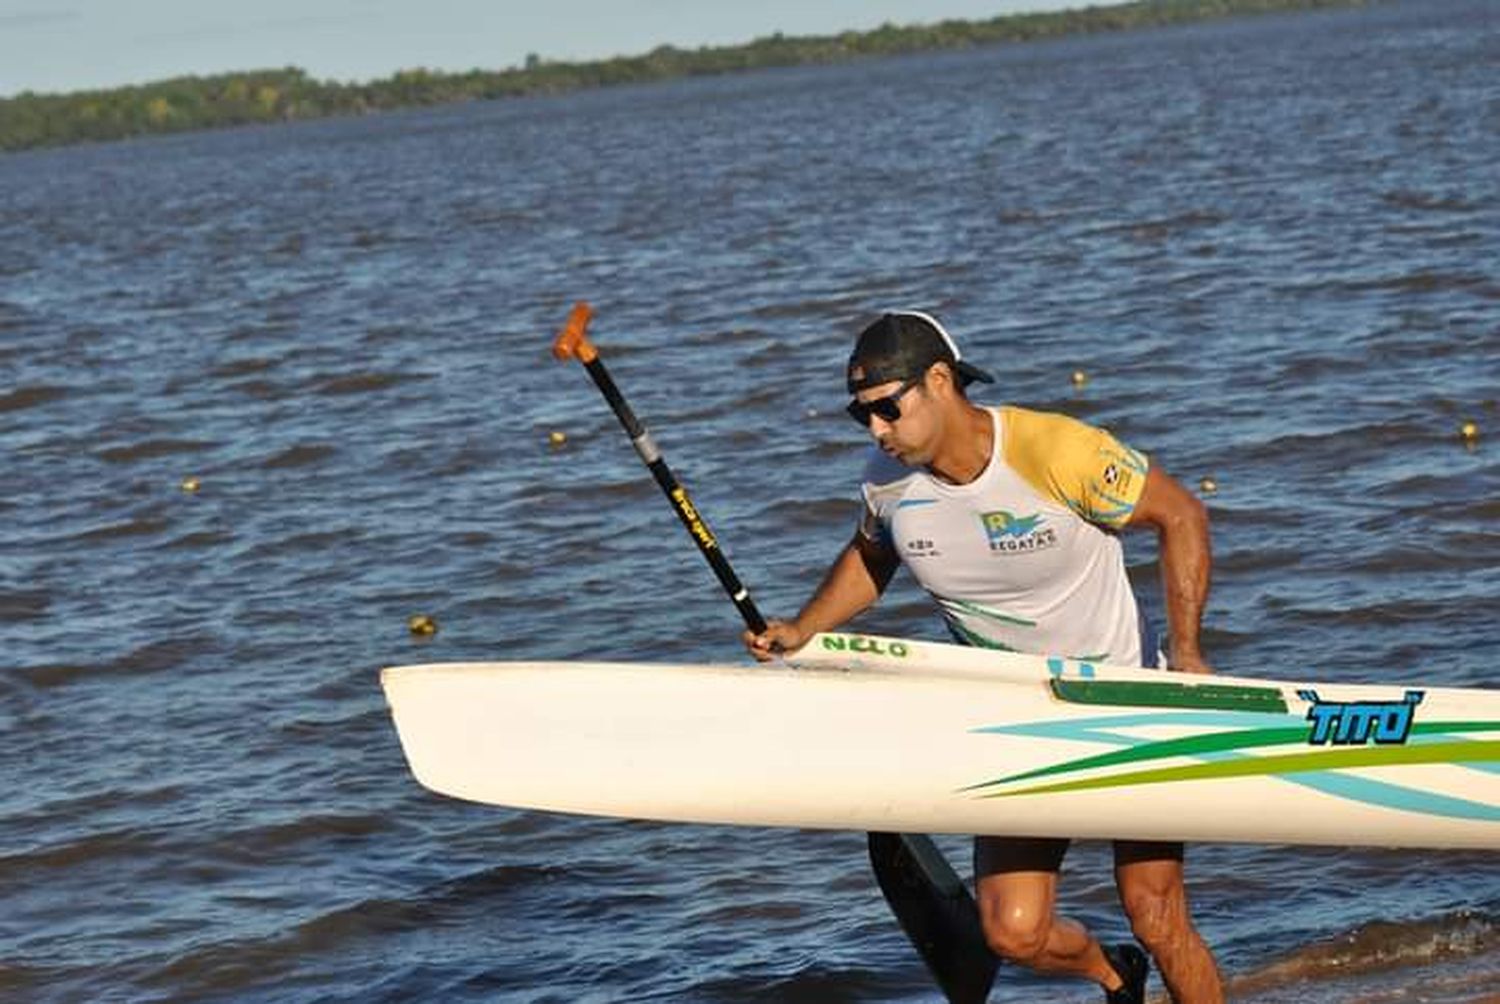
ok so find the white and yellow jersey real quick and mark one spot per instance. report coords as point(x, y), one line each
point(1025, 556)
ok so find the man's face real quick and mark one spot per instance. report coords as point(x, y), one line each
point(900, 417)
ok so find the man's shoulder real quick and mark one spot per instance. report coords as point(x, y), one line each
point(1083, 466)
point(1025, 424)
point(1036, 438)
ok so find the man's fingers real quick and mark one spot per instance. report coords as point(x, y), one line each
point(760, 645)
point(778, 637)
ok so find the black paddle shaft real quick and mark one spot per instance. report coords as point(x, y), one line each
point(692, 520)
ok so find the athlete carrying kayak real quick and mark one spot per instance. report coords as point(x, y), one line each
point(1009, 519)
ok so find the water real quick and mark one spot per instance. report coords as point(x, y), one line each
point(1271, 244)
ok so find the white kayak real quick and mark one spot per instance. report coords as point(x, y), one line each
point(865, 733)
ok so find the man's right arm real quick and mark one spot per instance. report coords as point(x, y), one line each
point(855, 580)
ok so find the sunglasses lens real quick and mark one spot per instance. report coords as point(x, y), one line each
point(886, 408)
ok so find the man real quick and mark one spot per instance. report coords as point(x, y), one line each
point(1008, 518)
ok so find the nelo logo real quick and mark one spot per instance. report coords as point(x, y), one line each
point(856, 643)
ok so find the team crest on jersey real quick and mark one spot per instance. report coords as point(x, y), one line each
point(1012, 534)
point(1117, 478)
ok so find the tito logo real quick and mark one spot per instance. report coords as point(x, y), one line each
point(1012, 534)
point(1354, 723)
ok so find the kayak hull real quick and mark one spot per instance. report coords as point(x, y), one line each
point(863, 733)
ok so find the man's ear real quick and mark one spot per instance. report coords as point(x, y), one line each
point(941, 379)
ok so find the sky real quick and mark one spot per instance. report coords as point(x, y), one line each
point(54, 46)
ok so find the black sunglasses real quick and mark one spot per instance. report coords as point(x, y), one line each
point(888, 407)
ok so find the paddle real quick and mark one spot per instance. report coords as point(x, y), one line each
point(929, 900)
point(572, 343)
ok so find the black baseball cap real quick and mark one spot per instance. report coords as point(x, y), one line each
point(901, 345)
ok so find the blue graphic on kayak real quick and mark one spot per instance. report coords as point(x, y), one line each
point(1355, 723)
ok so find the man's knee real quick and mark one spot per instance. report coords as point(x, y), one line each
point(1016, 935)
point(1158, 917)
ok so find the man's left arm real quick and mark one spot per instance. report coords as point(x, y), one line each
point(1181, 523)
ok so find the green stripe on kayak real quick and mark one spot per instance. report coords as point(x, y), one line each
point(1291, 763)
point(1152, 694)
point(1214, 742)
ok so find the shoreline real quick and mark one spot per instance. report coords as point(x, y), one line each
point(195, 103)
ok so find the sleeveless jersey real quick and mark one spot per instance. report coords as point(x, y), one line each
point(1024, 557)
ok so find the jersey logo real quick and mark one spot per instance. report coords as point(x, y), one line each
point(921, 547)
point(1116, 478)
point(1012, 534)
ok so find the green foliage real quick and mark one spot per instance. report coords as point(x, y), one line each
point(32, 120)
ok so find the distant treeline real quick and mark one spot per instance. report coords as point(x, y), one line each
point(184, 103)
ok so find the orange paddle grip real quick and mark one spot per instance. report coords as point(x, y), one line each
point(572, 341)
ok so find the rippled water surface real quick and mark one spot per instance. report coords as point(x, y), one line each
point(1271, 245)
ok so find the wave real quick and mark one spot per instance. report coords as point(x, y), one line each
point(1417, 612)
point(1353, 441)
point(200, 540)
point(1410, 199)
point(120, 530)
point(24, 604)
point(153, 449)
point(129, 528)
point(31, 397)
point(1378, 946)
point(258, 843)
point(1416, 282)
point(153, 657)
point(243, 367)
point(129, 844)
point(364, 383)
point(26, 982)
point(790, 514)
point(808, 982)
point(1160, 228)
point(301, 455)
point(238, 965)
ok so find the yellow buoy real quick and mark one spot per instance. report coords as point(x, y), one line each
point(190, 484)
point(421, 625)
point(1208, 486)
point(1080, 378)
point(557, 437)
point(1469, 432)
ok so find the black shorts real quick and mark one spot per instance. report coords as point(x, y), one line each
point(996, 855)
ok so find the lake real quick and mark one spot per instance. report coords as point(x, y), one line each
point(1270, 244)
